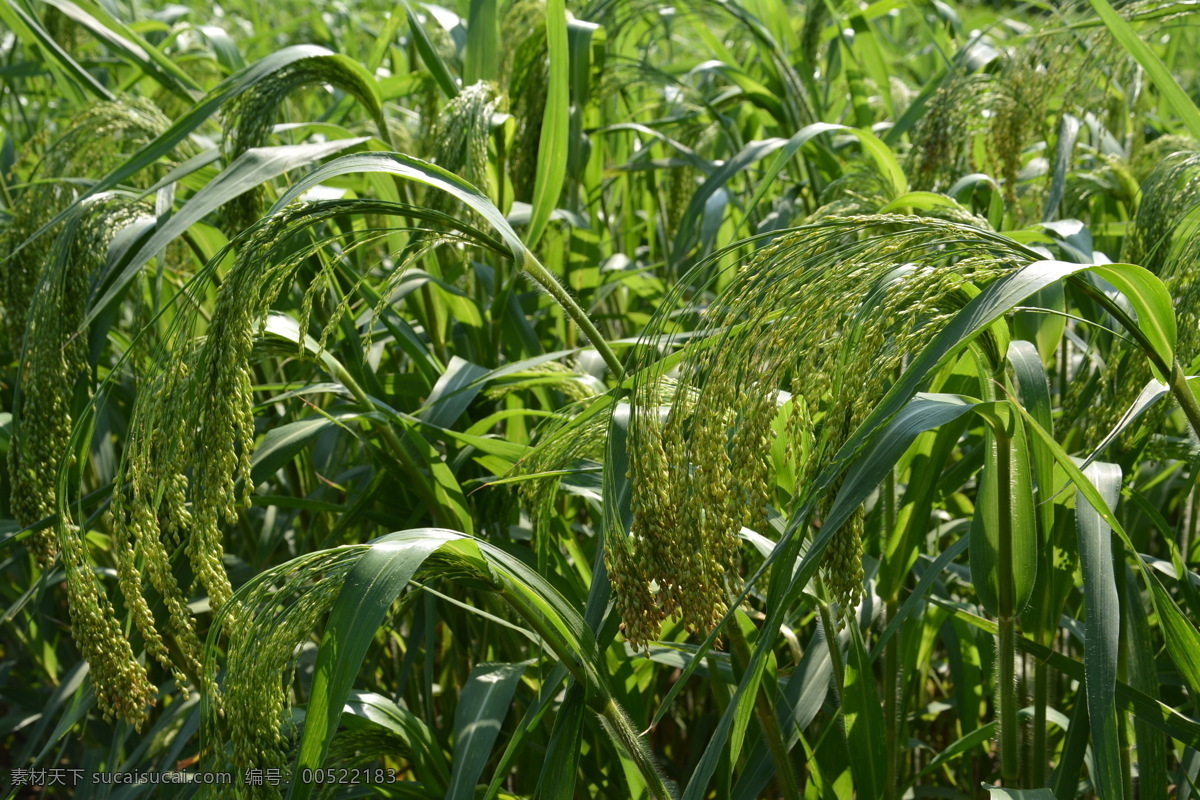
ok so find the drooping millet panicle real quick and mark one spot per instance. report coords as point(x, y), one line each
point(1170, 190)
point(1021, 98)
point(1018, 114)
point(253, 112)
point(276, 613)
point(195, 426)
point(830, 311)
point(941, 151)
point(1162, 239)
point(527, 88)
point(150, 520)
point(119, 680)
point(95, 143)
point(54, 366)
point(681, 181)
point(460, 143)
point(186, 467)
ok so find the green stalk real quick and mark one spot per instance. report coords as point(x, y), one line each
point(547, 281)
point(433, 325)
point(1037, 755)
point(614, 720)
point(831, 641)
point(1125, 746)
point(891, 655)
point(1188, 534)
point(1006, 687)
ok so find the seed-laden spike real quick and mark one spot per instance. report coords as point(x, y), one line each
point(95, 143)
point(528, 88)
point(460, 143)
point(1169, 191)
point(829, 312)
point(54, 368)
point(842, 566)
point(148, 517)
point(1163, 239)
point(276, 613)
point(119, 680)
point(574, 436)
point(186, 467)
point(252, 114)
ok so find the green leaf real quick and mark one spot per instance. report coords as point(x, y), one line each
point(1182, 638)
point(134, 48)
point(429, 54)
point(282, 443)
point(755, 151)
point(27, 27)
point(429, 762)
point(372, 585)
point(1157, 71)
point(1142, 672)
point(864, 721)
point(999, 793)
point(227, 90)
point(482, 707)
point(1151, 302)
point(1156, 713)
point(984, 309)
point(1102, 626)
point(252, 168)
point(964, 744)
point(557, 778)
point(454, 391)
point(413, 169)
point(482, 59)
point(552, 147)
point(918, 594)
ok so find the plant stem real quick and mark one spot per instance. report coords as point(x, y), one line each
point(1037, 755)
point(621, 729)
point(891, 655)
point(831, 641)
point(1006, 687)
point(556, 290)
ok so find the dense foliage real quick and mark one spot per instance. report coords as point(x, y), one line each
point(727, 399)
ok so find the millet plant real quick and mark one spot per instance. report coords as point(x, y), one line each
point(605, 399)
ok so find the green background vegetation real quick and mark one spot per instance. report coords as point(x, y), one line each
point(725, 399)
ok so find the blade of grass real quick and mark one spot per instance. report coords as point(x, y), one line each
point(1156, 70)
point(1103, 626)
point(553, 145)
